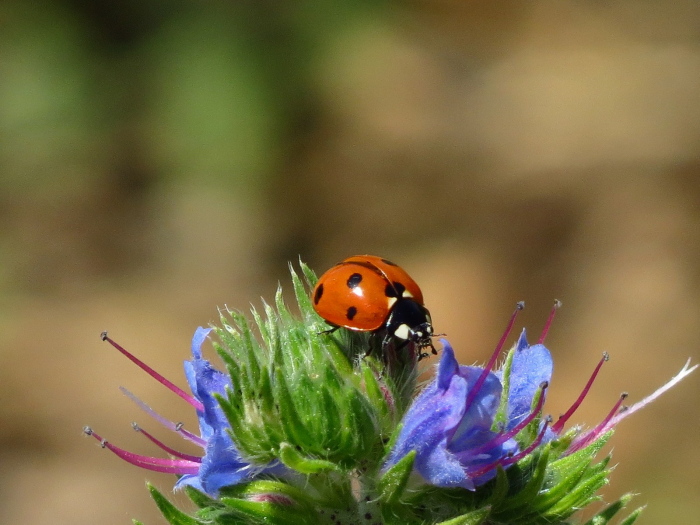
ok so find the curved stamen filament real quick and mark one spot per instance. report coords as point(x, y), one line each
point(559, 425)
point(175, 427)
point(548, 324)
point(158, 377)
point(166, 448)
point(473, 392)
point(590, 436)
point(505, 436)
point(514, 458)
point(172, 466)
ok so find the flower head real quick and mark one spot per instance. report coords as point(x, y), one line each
point(221, 463)
point(470, 421)
point(304, 426)
point(452, 424)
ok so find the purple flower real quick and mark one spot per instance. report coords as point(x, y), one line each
point(221, 464)
point(455, 427)
point(450, 424)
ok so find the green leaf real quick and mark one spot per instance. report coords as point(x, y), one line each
point(393, 483)
point(172, 514)
point(292, 458)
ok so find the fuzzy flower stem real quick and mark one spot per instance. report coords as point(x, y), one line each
point(548, 324)
point(173, 466)
point(143, 366)
point(474, 391)
point(559, 425)
point(165, 447)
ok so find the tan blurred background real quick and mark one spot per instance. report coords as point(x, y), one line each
point(160, 159)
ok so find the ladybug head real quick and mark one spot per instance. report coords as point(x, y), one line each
point(410, 322)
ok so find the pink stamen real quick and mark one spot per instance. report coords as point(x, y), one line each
point(548, 324)
point(559, 425)
point(514, 458)
point(505, 436)
point(166, 448)
point(587, 438)
point(172, 466)
point(489, 366)
point(162, 380)
point(175, 427)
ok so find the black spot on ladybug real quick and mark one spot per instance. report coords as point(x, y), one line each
point(395, 289)
point(354, 280)
point(318, 294)
point(352, 311)
point(389, 262)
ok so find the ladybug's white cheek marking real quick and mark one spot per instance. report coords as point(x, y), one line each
point(402, 331)
point(408, 294)
point(390, 302)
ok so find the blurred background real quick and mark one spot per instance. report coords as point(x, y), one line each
point(161, 159)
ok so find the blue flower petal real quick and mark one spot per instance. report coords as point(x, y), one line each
point(436, 411)
point(532, 365)
point(479, 416)
point(222, 464)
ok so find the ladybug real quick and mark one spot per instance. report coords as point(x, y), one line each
point(367, 293)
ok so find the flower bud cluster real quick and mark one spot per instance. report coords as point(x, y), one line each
point(304, 426)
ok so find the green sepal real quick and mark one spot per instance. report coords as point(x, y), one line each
point(475, 517)
point(629, 520)
point(292, 458)
point(244, 512)
point(200, 498)
point(240, 506)
point(500, 488)
point(172, 514)
point(526, 495)
point(377, 398)
point(605, 515)
point(136, 522)
point(565, 473)
point(393, 483)
point(293, 427)
point(501, 418)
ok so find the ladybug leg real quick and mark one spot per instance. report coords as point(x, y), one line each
point(423, 355)
point(387, 339)
point(332, 329)
point(432, 348)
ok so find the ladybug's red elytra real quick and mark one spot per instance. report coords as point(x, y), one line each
point(367, 293)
